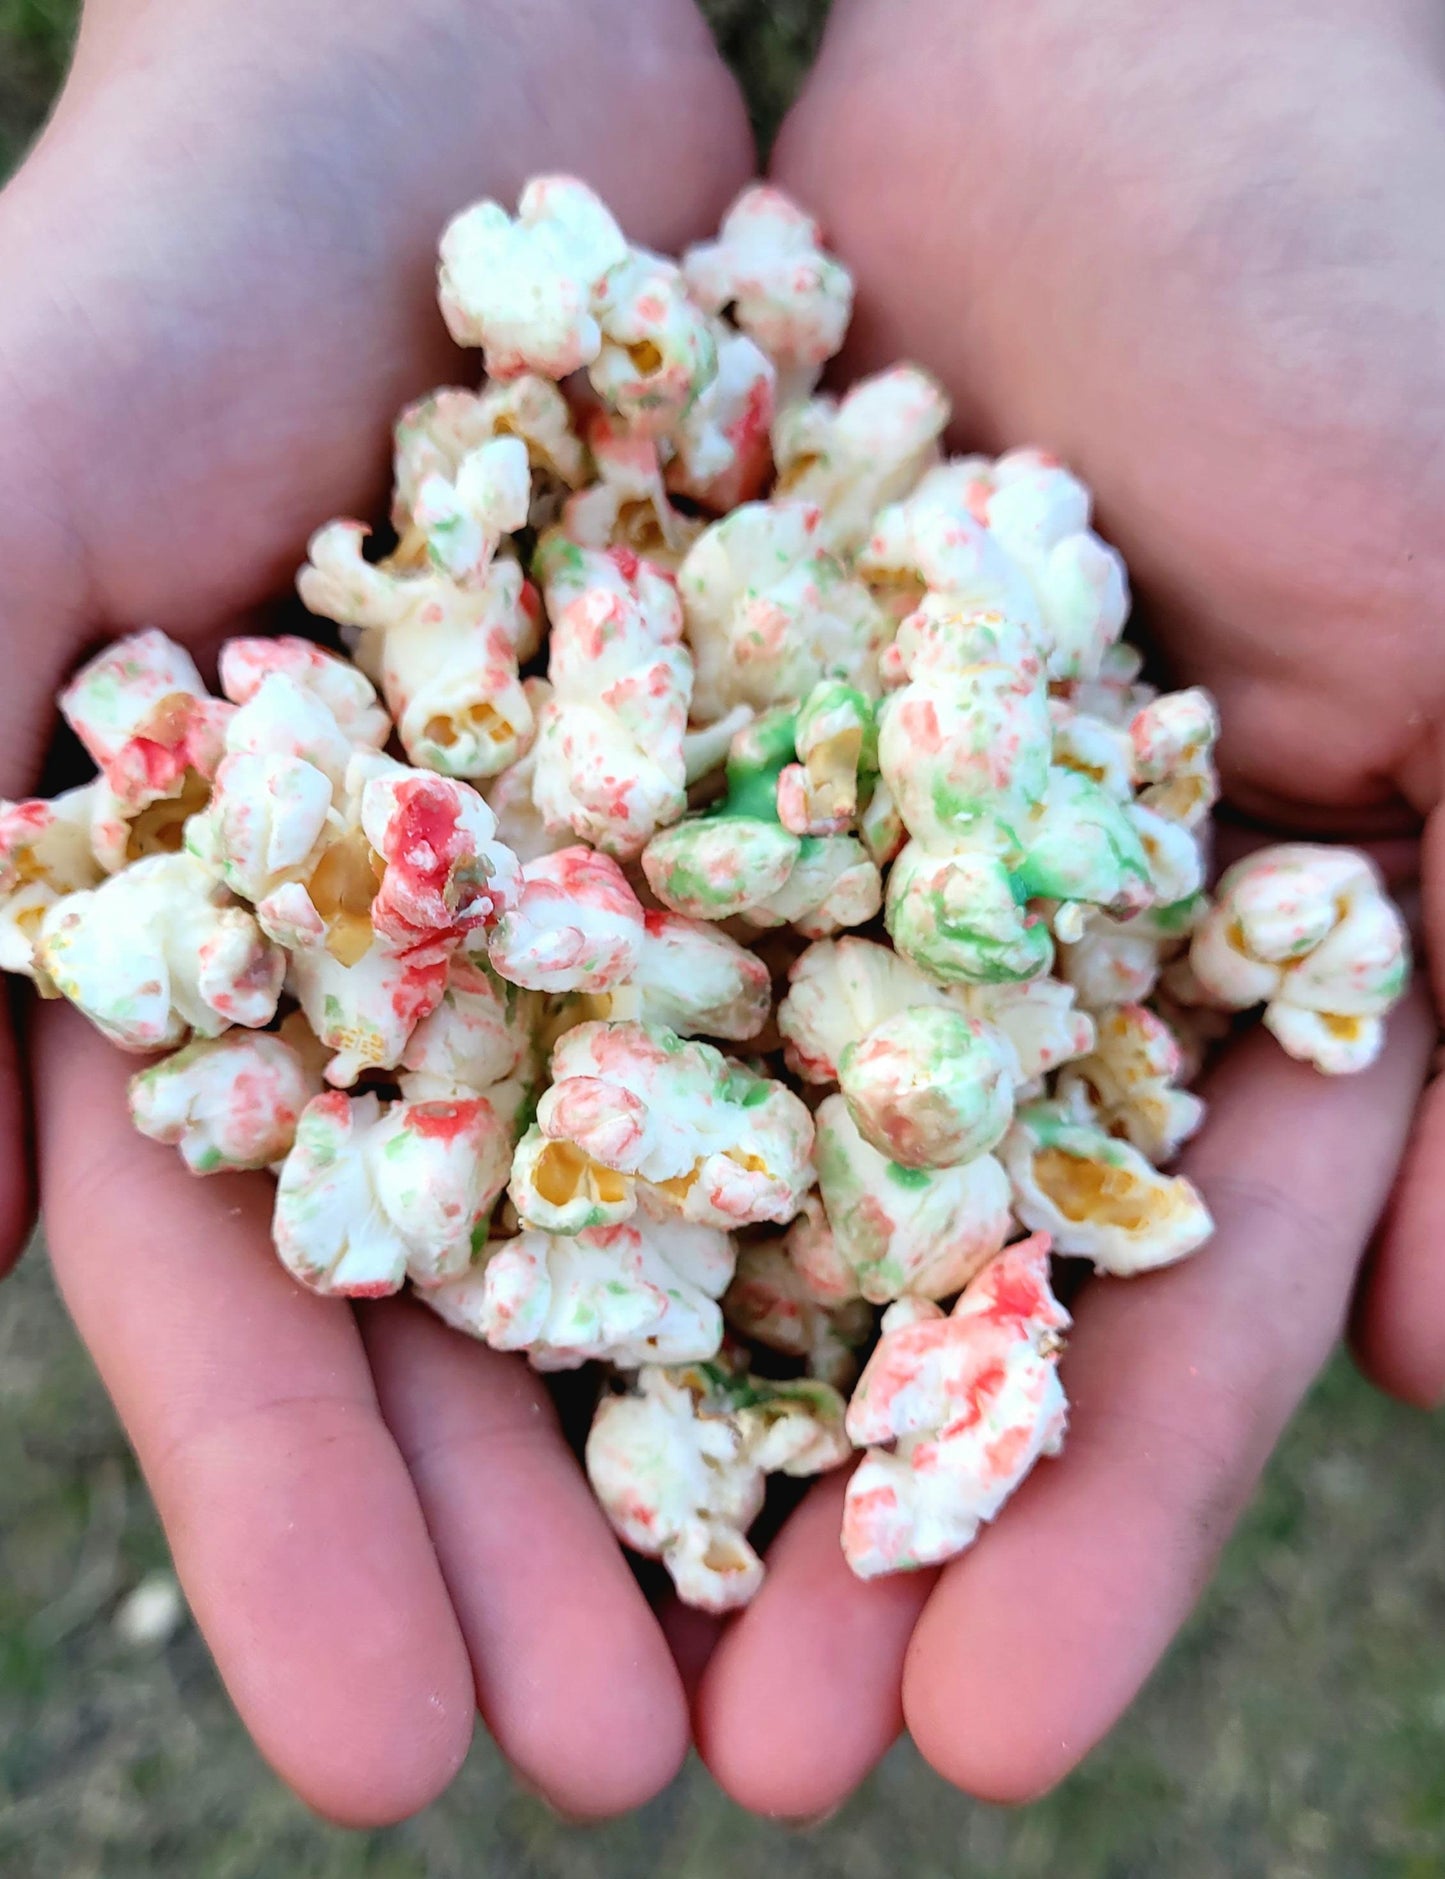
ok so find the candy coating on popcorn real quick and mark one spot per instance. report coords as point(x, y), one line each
point(836, 740)
point(1309, 933)
point(375, 1193)
point(463, 519)
point(679, 1465)
point(771, 611)
point(954, 1412)
point(228, 1102)
point(1130, 1083)
point(366, 1013)
point(346, 692)
point(853, 456)
point(609, 759)
point(45, 854)
point(658, 349)
point(526, 290)
point(481, 1033)
point(633, 1105)
point(158, 951)
point(1097, 1195)
point(772, 1302)
point(693, 979)
point(145, 718)
point(1040, 514)
point(576, 925)
point(721, 451)
point(784, 291)
point(930, 1087)
point(627, 505)
point(957, 917)
point(444, 654)
point(641, 1292)
point(897, 1230)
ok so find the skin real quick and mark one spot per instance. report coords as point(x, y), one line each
point(219, 269)
point(1154, 247)
point(218, 291)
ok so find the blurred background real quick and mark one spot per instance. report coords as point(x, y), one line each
point(1298, 1729)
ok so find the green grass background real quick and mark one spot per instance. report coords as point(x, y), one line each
point(1297, 1730)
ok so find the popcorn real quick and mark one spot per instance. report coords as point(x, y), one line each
point(1309, 933)
point(481, 1033)
point(784, 292)
point(693, 979)
point(954, 1412)
point(1039, 513)
point(897, 1230)
point(411, 863)
point(633, 1107)
point(658, 348)
point(1129, 1083)
point(577, 926)
point(367, 1012)
point(1172, 741)
point(771, 1302)
point(436, 435)
point(853, 456)
point(526, 291)
point(642, 1292)
point(157, 951)
point(721, 451)
point(679, 1464)
point(736, 858)
point(446, 655)
point(780, 702)
point(770, 611)
point(230, 1102)
point(144, 717)
point(627, 507)
point(609, 759)
point(375, 1193)
point(1097, 1196)
point(45, 854)
point(346, 692)
point(928, 1087)
point(836, 741)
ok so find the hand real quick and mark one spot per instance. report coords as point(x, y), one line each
point(1195, 252)
point(219, 288)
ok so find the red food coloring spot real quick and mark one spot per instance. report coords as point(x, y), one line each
point(444, 1122)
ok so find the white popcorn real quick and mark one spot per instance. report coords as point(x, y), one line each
point(1309, 933)
point(373, 1194)
point(230, 1102)
point(158, 951)
point(1097, 1196)
point(954, 1413)
point(45, 854)
point(526, 291)
point(642, 1292)
point(679, 1465)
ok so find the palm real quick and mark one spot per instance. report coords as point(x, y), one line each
point(219, 290)
point(1143, 250)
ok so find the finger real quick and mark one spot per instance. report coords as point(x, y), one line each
point(803, 1693)
point(1399, 1329)
point(1034, 1643)
point(17, 1181)
point(294, 1526)
point(573, 1674)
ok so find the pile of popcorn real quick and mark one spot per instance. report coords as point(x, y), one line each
point(782, 931)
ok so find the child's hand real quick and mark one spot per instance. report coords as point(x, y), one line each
point(219, 288)
point(1196, 250)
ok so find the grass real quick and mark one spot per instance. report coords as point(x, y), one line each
point(1297, 1730)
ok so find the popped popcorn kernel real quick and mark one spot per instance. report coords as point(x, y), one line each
point(954, 1412)
point(633, 1105)
point(375, 1193)
point(784, 291)
point(679, 1465)
point(930, 1087)
point(45, 854)
point(1309, 933)
point(640, 1292)
point(1097, 1196)
point(230, 1102)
